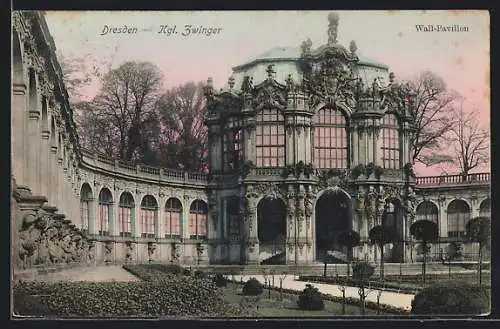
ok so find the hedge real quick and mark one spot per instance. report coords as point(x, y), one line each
point(452, 298)
point(159, 295)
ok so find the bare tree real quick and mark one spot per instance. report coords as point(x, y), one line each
point(470, 142)
point(184, 135)
point(432, 115)
point(82, 71)
point(282, 278)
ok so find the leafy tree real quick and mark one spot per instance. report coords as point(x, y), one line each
point(125, 110)
point(427, 232)
point(326, 243)
point(349, 239)
point(279, 243)
point(184, 135)
point(432, 115)
point(479, 230)
point(382, 235)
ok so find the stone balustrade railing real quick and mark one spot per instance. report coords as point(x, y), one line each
point(478, 178)
point(143, 171)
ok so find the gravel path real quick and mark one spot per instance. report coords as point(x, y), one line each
point(387, 297)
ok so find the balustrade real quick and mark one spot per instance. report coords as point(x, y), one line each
point(129, 168)
point(476, 178)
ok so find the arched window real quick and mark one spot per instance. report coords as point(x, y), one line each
point(390, 142)
point(149, 210)
point(105, 210)
point(173, 213)
point(44, 109)
point(85, 200)
point(427, 211)
point(270, 138)
point(198, 220)
point(330, 139)
point(232, 149)
point(125, 214)
point(233, 209)
point(485, 208)
point(33, 96)
point(458, 216)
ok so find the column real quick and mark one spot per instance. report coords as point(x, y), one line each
point(53, 172)
point(136, 227)
point(291, 227)
point(443, 219)
point(114, 229)
point(185, 216)
point(32, 147)
point(251, 238)
point(18, 122)
point(289, 149)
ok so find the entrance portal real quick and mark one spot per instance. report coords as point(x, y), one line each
point(332, 217)
point(271, 216)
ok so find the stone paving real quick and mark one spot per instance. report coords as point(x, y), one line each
point(390, 298)
point(96, 274)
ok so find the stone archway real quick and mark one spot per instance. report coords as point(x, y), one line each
point(271, 231)
point(332, 217)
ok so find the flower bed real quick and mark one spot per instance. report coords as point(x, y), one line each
point(159, 295)
point(349, 301)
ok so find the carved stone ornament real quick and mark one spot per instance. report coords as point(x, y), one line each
point(269, 190)
point(270, 95)
point(45, 237)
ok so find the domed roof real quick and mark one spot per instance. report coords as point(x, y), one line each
point(293, 54)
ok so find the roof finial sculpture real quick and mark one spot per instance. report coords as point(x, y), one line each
point(230, 82)
point(333, 22)
point(270, 71)
point(353, 47)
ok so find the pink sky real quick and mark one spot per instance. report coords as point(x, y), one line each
point(461, 58)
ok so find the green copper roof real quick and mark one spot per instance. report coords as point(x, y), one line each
point(293, 53)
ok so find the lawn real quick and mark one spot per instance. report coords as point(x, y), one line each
point(263, 306)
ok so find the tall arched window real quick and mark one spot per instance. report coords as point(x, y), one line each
point(270, 138)
point(232, 149)
point(458, 216)
point(85, 208)
point(330, 139)
point(125, 214)
point(173, 213)
point(198, 220)
point(390, 142)
point(105, 211)
point(427, 211)
point(485, 208)
point(233, 209)
point(149, 211)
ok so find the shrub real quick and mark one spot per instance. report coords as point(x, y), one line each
point(199, 274)
point(252, 287)
point(362, 271)
point(220, 280)
point(452, 298)
point(311, 299)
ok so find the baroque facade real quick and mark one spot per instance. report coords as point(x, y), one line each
point(302, 142)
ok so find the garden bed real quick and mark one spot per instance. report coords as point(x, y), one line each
point(371, 307)
point(400, 284)
point(159, 295)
